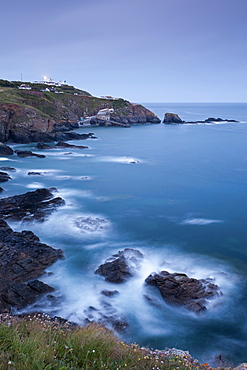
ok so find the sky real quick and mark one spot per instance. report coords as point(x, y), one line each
point(139, 50)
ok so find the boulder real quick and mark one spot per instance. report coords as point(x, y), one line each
point(120, 266)
point(23, 258)
point(28, 153)
point(5, 149)
point(172, 118)
point(180, 290)
point(33, 205)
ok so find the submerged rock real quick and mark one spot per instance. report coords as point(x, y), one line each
point(34, 205)
point(179, 289)
point(60, 144)
point(120, 266)
point(23, 258)
point(10, 169)
point(91, 224)
point(106, 315)
point(28, 153)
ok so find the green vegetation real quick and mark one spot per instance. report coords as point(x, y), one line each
point(38, 343)
point(61, 102)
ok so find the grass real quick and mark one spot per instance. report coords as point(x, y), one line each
point(37, 343)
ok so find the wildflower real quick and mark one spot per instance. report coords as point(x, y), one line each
point(10, 362)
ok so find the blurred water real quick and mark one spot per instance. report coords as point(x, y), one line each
point(176, 193)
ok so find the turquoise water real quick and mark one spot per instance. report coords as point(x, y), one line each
point(182, 203)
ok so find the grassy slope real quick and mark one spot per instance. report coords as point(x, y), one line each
point(36, 342)
point(50, 104)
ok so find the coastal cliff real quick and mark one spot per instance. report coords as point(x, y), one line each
point(39, 115)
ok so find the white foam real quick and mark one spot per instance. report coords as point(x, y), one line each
point(199, 221)
point(35, 185)
point(125, 160)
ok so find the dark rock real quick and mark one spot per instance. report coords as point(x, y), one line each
point(5, 149)
point(44, 146)
point(109, 293)
point(179, 289)
point(120, 266)
point(172, 118)
point(1, 189)
point(28, 153)
point(34, 205)
point(4, 177)
point(22, 258)
point(211, 119)
point(34, 173)
point(65, 136)
point(10, 169)
point(61, 144)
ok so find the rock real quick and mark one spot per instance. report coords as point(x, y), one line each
point(90, 224)
point(109, 293)
point(120, 266)
point(4, 177)
point(32, 173)
point(172, 118)
point(44, 146)
point(107, 316)
point(179, 289)
point(28, 153)
point(1, 189)
point(23, 258)
point(61, 144)
point(5, 149)
point(211, 119)
point(34, 205)
point(10, 169)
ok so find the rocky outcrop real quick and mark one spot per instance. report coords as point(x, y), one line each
point(180, 290)
point(121, 266)
point(34, 205)
point(172, 118)
point(23, 259)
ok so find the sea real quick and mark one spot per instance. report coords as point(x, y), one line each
point(176, 193)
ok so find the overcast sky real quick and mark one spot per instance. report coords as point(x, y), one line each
point(141, 50)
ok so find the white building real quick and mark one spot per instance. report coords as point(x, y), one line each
point(105, 114)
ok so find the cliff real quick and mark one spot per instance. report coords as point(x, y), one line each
point(35, 115)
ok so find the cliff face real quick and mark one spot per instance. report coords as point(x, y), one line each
point(29, 116)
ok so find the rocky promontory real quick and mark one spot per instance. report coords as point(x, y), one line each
point(42, 114)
